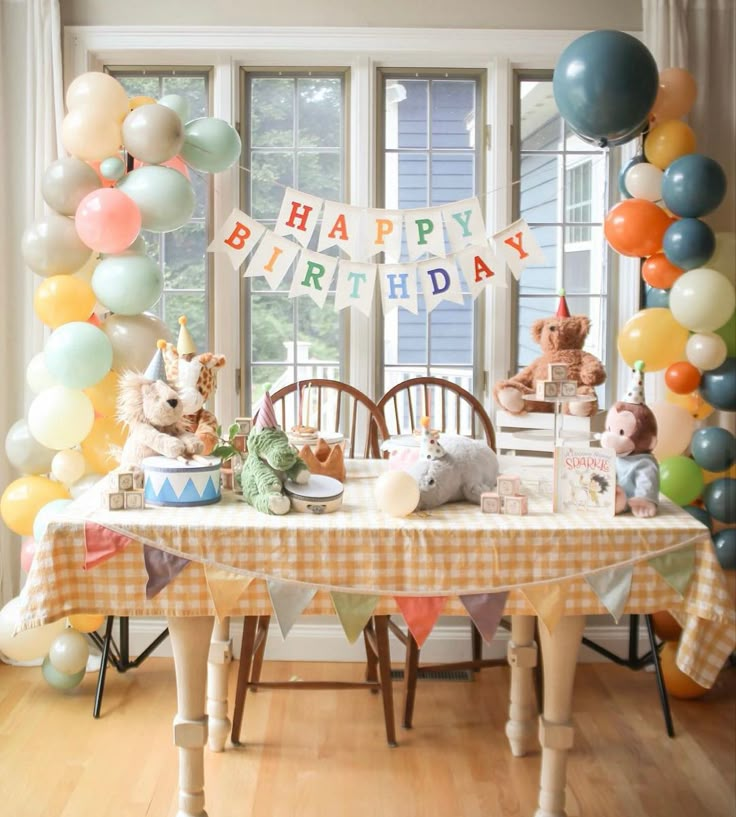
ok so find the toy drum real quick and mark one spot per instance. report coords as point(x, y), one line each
point(181, 483)
point(319, 495)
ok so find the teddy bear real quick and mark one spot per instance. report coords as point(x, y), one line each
point(561, 338)
point(195, 377)
point(271, 460)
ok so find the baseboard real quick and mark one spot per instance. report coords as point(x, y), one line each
point(323, 639)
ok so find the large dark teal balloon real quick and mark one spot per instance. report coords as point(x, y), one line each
point(693, 185)
point(720, 499)
point(700, 514)
point(718, 386)
point(605, 84)
point(713, 448)
point(724, 543)
point(655, 298)
point(689, 243)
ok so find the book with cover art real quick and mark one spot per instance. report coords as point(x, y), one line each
point(584, 480)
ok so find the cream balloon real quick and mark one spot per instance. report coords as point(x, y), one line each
point(27, 645)
point(38, 376)
point(706, 350)
point(61, 418)
point(25, 452)
point(69, 652)
point(396, 493)
point(51, 246)
point(101, 91)
point(702, 300)
point(133, 339)
point(675, 428)
point(91, 133)
point(644, 181)
point(68, 466)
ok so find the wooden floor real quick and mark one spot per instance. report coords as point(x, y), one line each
point(323, 754)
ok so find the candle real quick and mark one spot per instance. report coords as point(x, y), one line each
point(309, 394)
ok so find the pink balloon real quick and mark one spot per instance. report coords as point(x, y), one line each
point(107, 220)
point(27, 552)
point(177, 163)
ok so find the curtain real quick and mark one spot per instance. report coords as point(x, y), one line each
point(31, 101)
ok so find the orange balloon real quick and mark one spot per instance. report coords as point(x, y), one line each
point(24, 498)
point(63, 298)
point(675, 95)
point(678, 684)
point(667, 142)
point(101, 447)
point(666, 626)
point(692, 403)
point(682, 377)
point(659, 272)
point(636, 227)
point(88, 622)
point(104, 394)
point(137, 101)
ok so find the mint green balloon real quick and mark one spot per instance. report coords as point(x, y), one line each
point(78, 355)
point(680, 479)
point(177, 103)
point(60, 680)
point(112, 168)
point(210, 144)
point(728, 333)
point(127, 284)
point(164, 196)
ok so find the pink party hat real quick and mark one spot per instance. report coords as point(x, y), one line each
point(266, 415)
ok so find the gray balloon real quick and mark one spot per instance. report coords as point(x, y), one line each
point(66, 182)
point(133, 339)
point(153, 133)
point(163, 195)
point(51, 246)
point(25, 452)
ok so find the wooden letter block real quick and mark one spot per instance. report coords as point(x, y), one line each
point(245, 423)
point(508, 484)
point(568, 388)
point(138, 480)
point(190, 734)
point(115, 500)
point(557, 371)
point(547, 389)
point(134, 500)
point(555, 735)
point(125, 480)
point(490, 502)
point(515, 505)
point(519, 656)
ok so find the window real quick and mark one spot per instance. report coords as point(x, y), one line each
point(181, 254)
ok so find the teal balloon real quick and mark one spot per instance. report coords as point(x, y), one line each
point(210, 144)
point(25, 452)
point(693, 185)
point(724, 543)
point(720, 500)
point(177, 103)
point(718, 386)
point(163, 195)
point(78, 355)
point(700, 514)
point(680, 479)
point(127, 284)
point(657, 298)
point(689, 243)
point(60, 680)
point(44, 516)
point(714, 449)
point(112, 168)
point(605, 84)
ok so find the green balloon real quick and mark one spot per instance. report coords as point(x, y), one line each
point(60, 680)
point(78, 355)
point(728, 333)
point(210, 144)
point(680, 479)
point(163, 195)
point(112, 168)
point(127, 284)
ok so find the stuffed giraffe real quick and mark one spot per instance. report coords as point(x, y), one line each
point(195, 377)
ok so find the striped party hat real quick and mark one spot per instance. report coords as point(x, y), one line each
point(266, 415)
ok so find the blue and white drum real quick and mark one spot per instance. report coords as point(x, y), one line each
point(181, 482)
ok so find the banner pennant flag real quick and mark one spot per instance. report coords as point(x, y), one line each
point(341, 227)
point(612, 587)
point(272, 259)
point(420, 614)
point(101, 544)
point(313, 274)
point(676, 567)
point(485, 610)
point(481, 267)
point(548, 602)
point(517, 245)
point(288, 602)
point(354, 611)
point(382, 234)
point(225, 588)
point(356, 284)
point(162, 568)
point(440, 281)
point(464, 224)
point(237, 237)
point(424, 233)
point(298, 215)
point(398, 287)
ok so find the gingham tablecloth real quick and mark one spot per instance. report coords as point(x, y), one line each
point(449, 551)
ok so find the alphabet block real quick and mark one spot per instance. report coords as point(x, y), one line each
point(245, 423)
point(125, 480)
point(508, 484)
point(557, 371)
point(568, 388)
point(133, 500)
point(547, 389)
point(516, 505)
point(490, 502)
point(115, 500)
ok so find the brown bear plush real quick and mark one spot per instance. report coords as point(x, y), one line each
point(561, 338)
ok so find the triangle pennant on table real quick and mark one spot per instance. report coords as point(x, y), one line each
point(420, 614)
point(548, 602)
point(225, 588)
point(101, 544)
point(354, 611)
point(162, 568)
point(485, 611)
point(612, 586)
point(676, 567)
point(288, 600)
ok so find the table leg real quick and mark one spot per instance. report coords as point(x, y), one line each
point(521, 727)
point(190, 641)
point(218, 669)
point(560, 653)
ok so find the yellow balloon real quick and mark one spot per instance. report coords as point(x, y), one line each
point(104, 394)
point(692, 403)
point(137, 101)
point(667, 142)
point(86, 622)
point(654, 336)
point(711, 476)
point(101, 91)
point(90, 133)
point(62, 299)
point(101, 447)
point(24, 498)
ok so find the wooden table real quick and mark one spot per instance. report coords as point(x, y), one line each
point(541, 561)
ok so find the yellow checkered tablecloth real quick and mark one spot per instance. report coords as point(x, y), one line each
point(449, 551)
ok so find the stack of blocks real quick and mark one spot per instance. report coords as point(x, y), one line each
point(507, 498)
point(557, 384)
point(128, 492)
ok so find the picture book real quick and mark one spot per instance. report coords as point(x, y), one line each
point(584, 480)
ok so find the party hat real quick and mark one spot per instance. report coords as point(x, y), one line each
point(431, 448)
point(635, 394)
point(156, 369)
point(562, 310)
point(266, 415)
point(185, 343)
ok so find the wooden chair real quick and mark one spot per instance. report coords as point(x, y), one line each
point(451, 409)
point(334, 407)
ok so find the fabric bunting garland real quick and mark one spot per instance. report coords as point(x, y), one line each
point(420, 614)
point(101, 544)
point(548, 602)
point(354, 611)
point(676, 567)
point(162, 568)
point(225, 588)
point(612, 587)
point(485, 610)
point(288, 601)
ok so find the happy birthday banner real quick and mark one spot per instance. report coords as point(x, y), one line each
point(453, 236)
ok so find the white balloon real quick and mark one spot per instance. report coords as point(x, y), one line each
point(69, 652)
point(38, 376)
point(396, 493)
point(60, 417)
point(702, 299)
point(29, 644)
point(644, 181)
point(706, 351)
point(68, 466)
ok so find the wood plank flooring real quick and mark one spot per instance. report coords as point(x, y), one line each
point(323, 754)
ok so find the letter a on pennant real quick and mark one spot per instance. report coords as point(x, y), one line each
point(481, 268)
point(340, 228)
point(298, 216)
point(237, 237)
